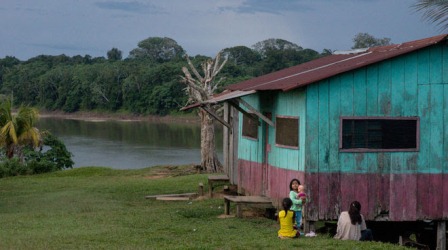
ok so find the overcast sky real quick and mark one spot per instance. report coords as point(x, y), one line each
point(92, 27)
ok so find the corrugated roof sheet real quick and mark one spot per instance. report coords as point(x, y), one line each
point(322, 68)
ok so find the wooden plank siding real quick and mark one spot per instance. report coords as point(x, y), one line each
point(290, 104)
point(283, 163)
point(250, 151)
point(408, 186)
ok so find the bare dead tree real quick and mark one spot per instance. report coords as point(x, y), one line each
point(201, 88)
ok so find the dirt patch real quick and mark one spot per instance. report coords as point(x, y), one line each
point(225, 216)
point(218, 193)
point(159, 172)
point(248, 212)
point(157, 176)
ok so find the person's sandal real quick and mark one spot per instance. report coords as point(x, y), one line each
point(311, 234)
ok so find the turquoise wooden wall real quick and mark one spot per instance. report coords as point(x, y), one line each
point(250, 149)
point(411, 85)
point(290, 103)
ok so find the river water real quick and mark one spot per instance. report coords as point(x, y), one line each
point(128, 144)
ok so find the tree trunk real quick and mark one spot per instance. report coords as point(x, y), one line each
point(10, 151)
point(209, 158)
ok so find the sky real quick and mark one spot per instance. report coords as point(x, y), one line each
point(92, 27)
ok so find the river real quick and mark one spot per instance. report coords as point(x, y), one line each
point(128, 144)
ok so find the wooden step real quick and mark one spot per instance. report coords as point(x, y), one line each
point(245, 200)
point(188, 195)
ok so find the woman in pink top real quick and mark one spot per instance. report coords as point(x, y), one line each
point(351, 225)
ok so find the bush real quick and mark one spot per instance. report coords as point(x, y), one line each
point(13, 167)
point(57, 153)
point(52, 156)
point(40, 167)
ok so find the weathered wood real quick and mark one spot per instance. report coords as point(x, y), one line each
point(178, 198)
point(201, 189)
point(216, 180)
point(395, 185)
point(230, 143)
point(441, 235)
point(236, 105)
point(244, 201)
point(216, 116)
point(264, 118)
point(170, 195)
point(200, 89)
point(226, 138)
point(309, 226)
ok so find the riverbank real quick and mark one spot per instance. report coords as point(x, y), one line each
point(101, 116)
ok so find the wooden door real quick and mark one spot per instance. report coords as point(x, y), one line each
point(267, 149)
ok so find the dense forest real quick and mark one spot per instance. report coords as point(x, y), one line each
point(147, 82)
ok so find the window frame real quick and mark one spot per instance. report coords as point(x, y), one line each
point(413, 118)
point(258, 125)
point(298, 131)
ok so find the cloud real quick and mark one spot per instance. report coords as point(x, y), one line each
point(58, 46)
point(204, 27)
point(55, 49)
point(134, 7)
point(269, 6)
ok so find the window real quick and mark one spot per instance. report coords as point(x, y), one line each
point(287, 131)
point(250, 126)
point(379, 134)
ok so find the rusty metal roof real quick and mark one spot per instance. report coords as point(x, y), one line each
point(325, 67)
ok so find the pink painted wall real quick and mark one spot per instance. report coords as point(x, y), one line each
point(405, 197)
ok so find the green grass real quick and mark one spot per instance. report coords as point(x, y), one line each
point(100, 208)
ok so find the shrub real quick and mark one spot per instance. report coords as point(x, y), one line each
point(52, 156)
point(13, 167)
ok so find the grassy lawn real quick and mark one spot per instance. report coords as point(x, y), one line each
point(101, 208)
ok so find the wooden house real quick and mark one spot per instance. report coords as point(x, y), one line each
point(368, 125)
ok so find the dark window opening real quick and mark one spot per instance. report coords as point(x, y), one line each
point(250, 126)
point(287, 132)
point(379, 134)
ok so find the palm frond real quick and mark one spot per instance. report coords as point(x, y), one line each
point(18, 129)
point(435, 11)
point(8, 131)
point(30, 136)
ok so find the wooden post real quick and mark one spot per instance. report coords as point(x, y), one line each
point(227, 133)
point(308, 226)
point(210, 188)
point(441, 235)
point(239, 211)
point(226, 206)
point(201, 189)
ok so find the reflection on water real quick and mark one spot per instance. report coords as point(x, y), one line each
point(129, 145)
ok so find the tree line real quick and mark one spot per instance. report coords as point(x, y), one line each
point(146, 82)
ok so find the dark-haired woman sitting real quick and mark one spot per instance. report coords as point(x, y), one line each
point(351, 225)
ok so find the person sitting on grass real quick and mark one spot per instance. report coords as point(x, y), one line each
point(286, 218)
point(352, 226)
